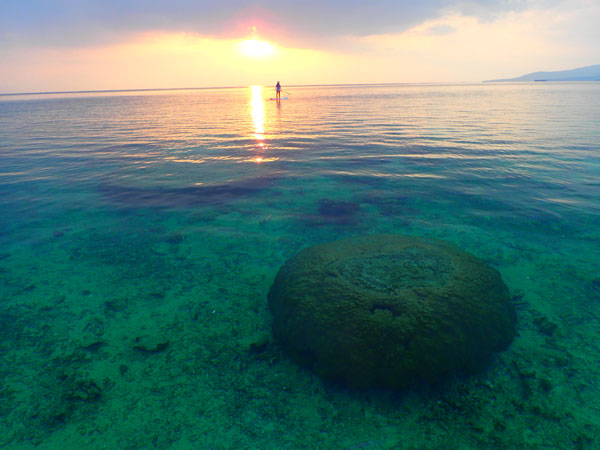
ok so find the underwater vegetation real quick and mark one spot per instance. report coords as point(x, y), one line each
point(593, 289)
point(390, 311)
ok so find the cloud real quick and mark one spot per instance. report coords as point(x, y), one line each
point(441, 29)
point(81, 46)
point(562, 37)
point(74, 23)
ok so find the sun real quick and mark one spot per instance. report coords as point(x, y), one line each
point(256, 49)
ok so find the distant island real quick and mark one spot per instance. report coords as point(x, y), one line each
point(588, 73)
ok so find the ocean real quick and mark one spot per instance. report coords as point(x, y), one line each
point(140, 233)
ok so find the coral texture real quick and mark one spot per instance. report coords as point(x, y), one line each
point(390, 311)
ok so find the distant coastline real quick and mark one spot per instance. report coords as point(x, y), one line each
point(587, 73)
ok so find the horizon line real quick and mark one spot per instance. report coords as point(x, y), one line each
point(105, 91)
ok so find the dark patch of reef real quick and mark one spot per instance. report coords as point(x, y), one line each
point(390, 311)
point(184, 197)
point(338, 213)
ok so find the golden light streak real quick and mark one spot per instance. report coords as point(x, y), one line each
point(257, 111)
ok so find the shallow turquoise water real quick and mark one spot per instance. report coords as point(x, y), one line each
point(166, 215)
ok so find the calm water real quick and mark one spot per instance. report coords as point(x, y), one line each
point(140, 234)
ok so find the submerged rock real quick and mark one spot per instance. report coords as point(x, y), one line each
point(150, 343)
point(390, 311)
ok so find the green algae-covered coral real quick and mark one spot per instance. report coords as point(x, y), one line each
point(390, 311)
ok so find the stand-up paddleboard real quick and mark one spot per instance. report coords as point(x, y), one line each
point(282, 98)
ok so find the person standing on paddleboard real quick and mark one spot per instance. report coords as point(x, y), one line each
point(278, 90)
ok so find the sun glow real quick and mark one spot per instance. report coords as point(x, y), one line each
point(256, 49)
point(159, 59)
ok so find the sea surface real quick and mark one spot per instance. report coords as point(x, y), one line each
point(141, 231)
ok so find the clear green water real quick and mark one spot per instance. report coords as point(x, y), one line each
point(139, 236)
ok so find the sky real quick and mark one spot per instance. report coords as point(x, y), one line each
point(66, 45)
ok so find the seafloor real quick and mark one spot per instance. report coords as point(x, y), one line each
point(145, 331)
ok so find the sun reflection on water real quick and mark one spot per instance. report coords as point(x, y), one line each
point(257, 111)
